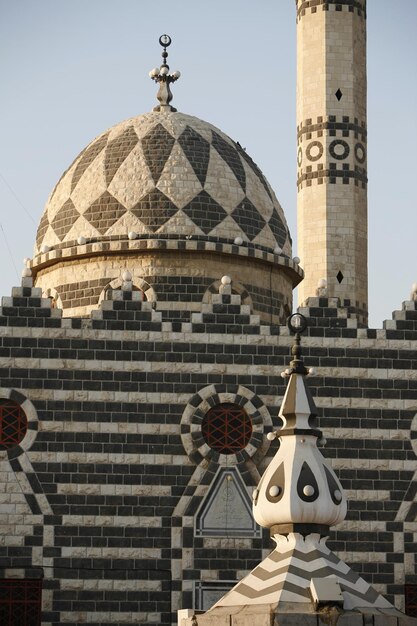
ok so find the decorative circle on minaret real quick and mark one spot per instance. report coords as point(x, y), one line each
point(299, 156)
point(339, 155)
point(360, 153)
point(314, 151)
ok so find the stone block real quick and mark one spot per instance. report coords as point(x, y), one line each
point(210, 620)
point(261, 619)
point(295, 619)
point(405, 620)
point(385, 620)
point(184, 616)
point(348, 619)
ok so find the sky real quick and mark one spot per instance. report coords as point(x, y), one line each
point(70, 69)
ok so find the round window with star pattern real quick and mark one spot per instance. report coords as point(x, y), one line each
point(13, 424)
point(227, 428)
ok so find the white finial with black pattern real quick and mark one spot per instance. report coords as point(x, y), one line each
point(299, 491)
point(162, 76)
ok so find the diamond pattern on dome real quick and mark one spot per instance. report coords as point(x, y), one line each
point(255, 192)
point(81, 227)
point(170, 174)
point(248, 218)
point(205, 212)
point(180, 223)
point(255, 169)
point(157, 146)
point(265, 238)
point(132, 180)
point(154, 210)
point(221, 183)
point(117, 151)
point(61, 194)
point(42, 228)
point(226, 227)
point(231, 156)
point(104, 212)
point(87, 157)
point(278, 229)
point(197, 151)
point(91, 185)
point(178, 180)
point(64, 219)
point(51, 237)
point(128, 222)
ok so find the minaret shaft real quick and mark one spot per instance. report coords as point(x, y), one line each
point(331, 137)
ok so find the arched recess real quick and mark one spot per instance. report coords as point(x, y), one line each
point(237, 288)
point(138, 284)
point(55, 298)
point(21, 478)
point(217, 477)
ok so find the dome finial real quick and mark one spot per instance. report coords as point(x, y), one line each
point(161, 75)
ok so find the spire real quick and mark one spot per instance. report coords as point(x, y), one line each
point(299, 492)
point(162, 76)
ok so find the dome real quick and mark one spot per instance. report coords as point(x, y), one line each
point(176, 203)
point(163, 175)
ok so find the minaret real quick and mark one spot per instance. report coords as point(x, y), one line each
point(331, 150)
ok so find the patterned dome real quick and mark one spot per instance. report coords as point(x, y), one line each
point(160, 175)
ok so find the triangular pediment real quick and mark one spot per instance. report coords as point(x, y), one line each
point(226, 511)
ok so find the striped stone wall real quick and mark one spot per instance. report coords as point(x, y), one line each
point(100, 498)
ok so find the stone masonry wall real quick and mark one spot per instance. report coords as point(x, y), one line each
point(101, 496)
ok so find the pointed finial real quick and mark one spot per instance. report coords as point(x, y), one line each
point(297, 324)
point(299, 491)
point(162, 76)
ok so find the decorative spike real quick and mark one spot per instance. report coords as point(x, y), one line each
point(303, 484)
point(164, 78)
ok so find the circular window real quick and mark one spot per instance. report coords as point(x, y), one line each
point(13, 424)
point(227, 428)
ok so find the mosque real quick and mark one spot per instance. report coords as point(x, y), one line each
point(141, 359)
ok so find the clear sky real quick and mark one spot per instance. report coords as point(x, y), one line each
point(69, 69)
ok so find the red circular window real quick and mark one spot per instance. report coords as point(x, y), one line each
point(13, 424)
point(227, 428)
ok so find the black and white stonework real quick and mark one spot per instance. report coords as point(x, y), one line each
point(160, 174)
